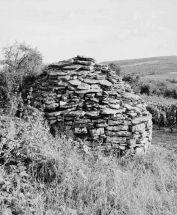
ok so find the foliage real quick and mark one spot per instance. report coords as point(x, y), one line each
point(173, 81)
point(21, 58)
point(158, 88)
point(163, 110)
point(20, 64)
point(133, 81)
point(145, 89)
point(162, 88)
point(115, 68)
point(42, 174)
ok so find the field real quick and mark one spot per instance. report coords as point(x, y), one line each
point(160, 77)
point(159, 100)
point(156, 68)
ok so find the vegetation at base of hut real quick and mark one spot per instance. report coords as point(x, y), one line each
point(41, 174)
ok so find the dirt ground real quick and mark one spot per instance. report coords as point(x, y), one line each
point(165, 138)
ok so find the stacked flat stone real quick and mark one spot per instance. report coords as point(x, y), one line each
point(93, 102)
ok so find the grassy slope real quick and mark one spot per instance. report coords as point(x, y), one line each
point(165, 138)
point(81, 183)
point(157, 65)
point(159, 100)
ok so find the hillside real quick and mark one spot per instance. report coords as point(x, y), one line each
point(151, 67)
point(40, 174)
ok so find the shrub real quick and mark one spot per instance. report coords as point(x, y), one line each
point(173, 81)
point(115, 68)
point(133, 81)
point(20, 63)
point(145, 89)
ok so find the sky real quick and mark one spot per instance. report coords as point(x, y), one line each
point(103, 29)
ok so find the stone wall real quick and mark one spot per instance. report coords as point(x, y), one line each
point(92, 102)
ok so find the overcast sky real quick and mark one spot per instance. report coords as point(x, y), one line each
point(104, 29)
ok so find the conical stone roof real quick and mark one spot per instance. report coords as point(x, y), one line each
point(91, 101)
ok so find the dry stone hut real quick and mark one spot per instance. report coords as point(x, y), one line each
point(92, 102)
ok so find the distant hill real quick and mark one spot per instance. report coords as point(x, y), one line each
point(148, 66)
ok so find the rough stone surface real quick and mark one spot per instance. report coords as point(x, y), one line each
point(94, 103)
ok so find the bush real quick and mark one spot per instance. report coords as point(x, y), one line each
point(159, 88)
point(115, 68)
point(173, 81)
point(133, 81)
point(21, 58)
point(145, 89)
point(20, 64)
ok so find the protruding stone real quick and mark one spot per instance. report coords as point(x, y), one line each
point(85, 58)
point(118, 133)
point(138, 127)
point(75, 82)
point(91, 81)
point(101, 124)
point(117, 128)
point(93, 113)
point(95, 86)
point(117, 122)
point(56, 74)
point(51, 106)
point(140, 119)
point(109, 111)
point(119, 140)
point(72, 67)
point(61, 64)
point(131, 114)
point(96, 132)
point(114, 106)
point(55, 114)
point(85, 63)
point(83, 86)
point(88, 91)
point(76, 113)
point(105, 83)
point(80, 130)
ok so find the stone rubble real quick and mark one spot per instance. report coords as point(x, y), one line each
point(91, 101)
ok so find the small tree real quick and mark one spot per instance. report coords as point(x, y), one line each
point(115, 68)
point(21, 58)
point(20, 61)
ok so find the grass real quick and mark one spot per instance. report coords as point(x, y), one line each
point(159, 100)
point(165, 138)
point(42, 174)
